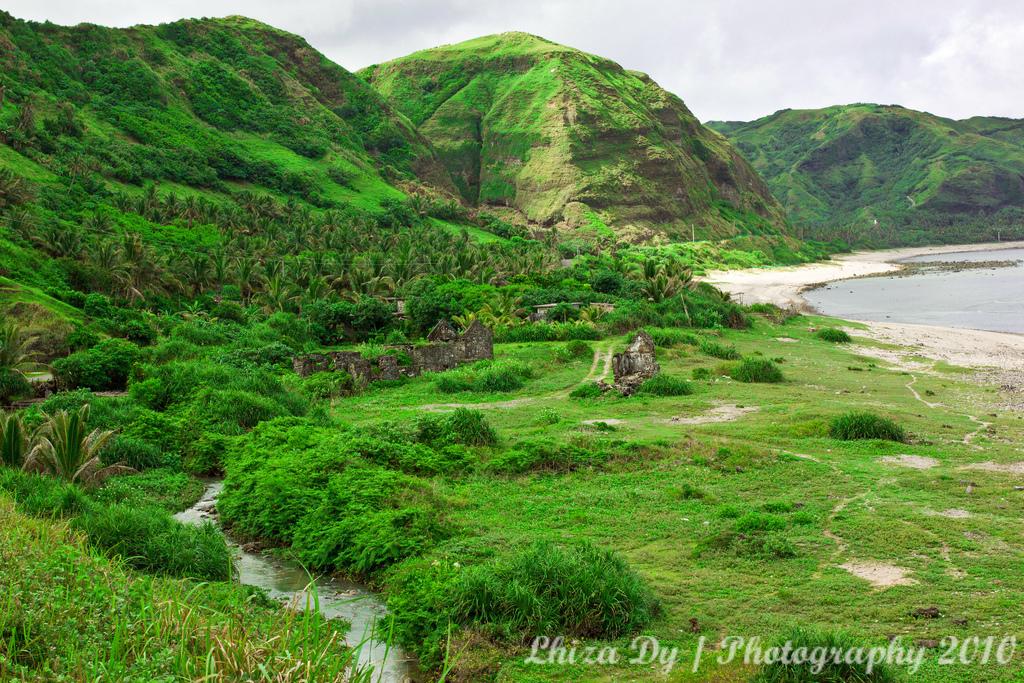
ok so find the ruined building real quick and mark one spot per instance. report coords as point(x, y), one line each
point(447, 350)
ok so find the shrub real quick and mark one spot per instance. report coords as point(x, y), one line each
point(831, 334)
point(861, 425)
point(202, 333)
point(105, 366)
point(464, 426)
point(546, 332)
point(533, 456)
point(575, 349)
point(368, 519)
point(486, 376)
point(671, 336)
point(576, 590)
point(836, 669)
point(587, 390)
point(135, 453)
point(716, 350)
point(665, 385)
point(149, 539)
point(13, 385)
point(760, 370)
point(325, 385)
point(701, 374)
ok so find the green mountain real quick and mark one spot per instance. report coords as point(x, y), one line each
point(164, 161)
point(561, 137)
point(210, 104)
point(921, 177)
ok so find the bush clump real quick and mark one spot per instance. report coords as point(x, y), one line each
point(833, 668)
point(103, 367)
point(716, 350)
point(464, 426)
point(671, 336)
point(368, 519)
point(576, 349)
point(756, 370)
point(862, 425)
point(587, 390)
point(149, 539)
point(577, 590)
point(486, 376)
point(665, 385)
point(831, 334)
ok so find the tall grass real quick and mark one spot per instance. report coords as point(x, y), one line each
point(831, 334)
point(829, 644)
point(577, 590)
point(665, 385)
point(862, 425)
point(756, 370)
point(68, 608)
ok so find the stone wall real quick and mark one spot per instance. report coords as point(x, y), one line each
point(476, 343)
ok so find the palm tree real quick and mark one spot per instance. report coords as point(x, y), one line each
point(14, 440)
point(66, 449)
point(15, 351)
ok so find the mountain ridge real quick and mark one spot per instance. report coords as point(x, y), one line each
point(842, 168)
point(568, 138)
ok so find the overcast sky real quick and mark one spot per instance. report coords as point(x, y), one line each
point(728, 59)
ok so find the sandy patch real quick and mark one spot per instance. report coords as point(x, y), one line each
point(605, 420)
point(915, 462)
point(1003, 467)
point(878, 574)
point(787, 340)
point(721, 413)
point(967, 348)
point(951, 513)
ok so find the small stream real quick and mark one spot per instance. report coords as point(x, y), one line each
point(286, 580)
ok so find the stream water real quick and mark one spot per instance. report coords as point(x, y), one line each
point(288, 581)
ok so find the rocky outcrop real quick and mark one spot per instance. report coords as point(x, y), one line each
point(635, 365)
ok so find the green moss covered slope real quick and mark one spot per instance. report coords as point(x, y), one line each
point(566, 138)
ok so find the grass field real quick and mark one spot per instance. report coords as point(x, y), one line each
point(741, 512)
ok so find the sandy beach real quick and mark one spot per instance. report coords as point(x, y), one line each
point(784, 287)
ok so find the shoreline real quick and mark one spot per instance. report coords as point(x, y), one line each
point(784, 287)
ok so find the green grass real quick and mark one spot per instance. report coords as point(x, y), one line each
point(65, 608)
point(726, 524)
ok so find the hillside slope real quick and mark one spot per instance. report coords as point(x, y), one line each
point(170, 160)
point(568, 138)
point(201, 103)
point(920, 176)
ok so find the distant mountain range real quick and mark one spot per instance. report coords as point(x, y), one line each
point(888, 172)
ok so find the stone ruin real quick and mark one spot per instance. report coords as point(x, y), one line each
point(635, 365)
point(447, 350)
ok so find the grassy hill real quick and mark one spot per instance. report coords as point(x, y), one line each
point(920, 176)
point(567, 138)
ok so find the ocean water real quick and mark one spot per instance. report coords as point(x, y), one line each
point(980, 299)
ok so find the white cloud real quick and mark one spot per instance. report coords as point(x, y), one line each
point(733, 59)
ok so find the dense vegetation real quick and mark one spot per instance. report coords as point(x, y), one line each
point(878, 175)
point(186, 208)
